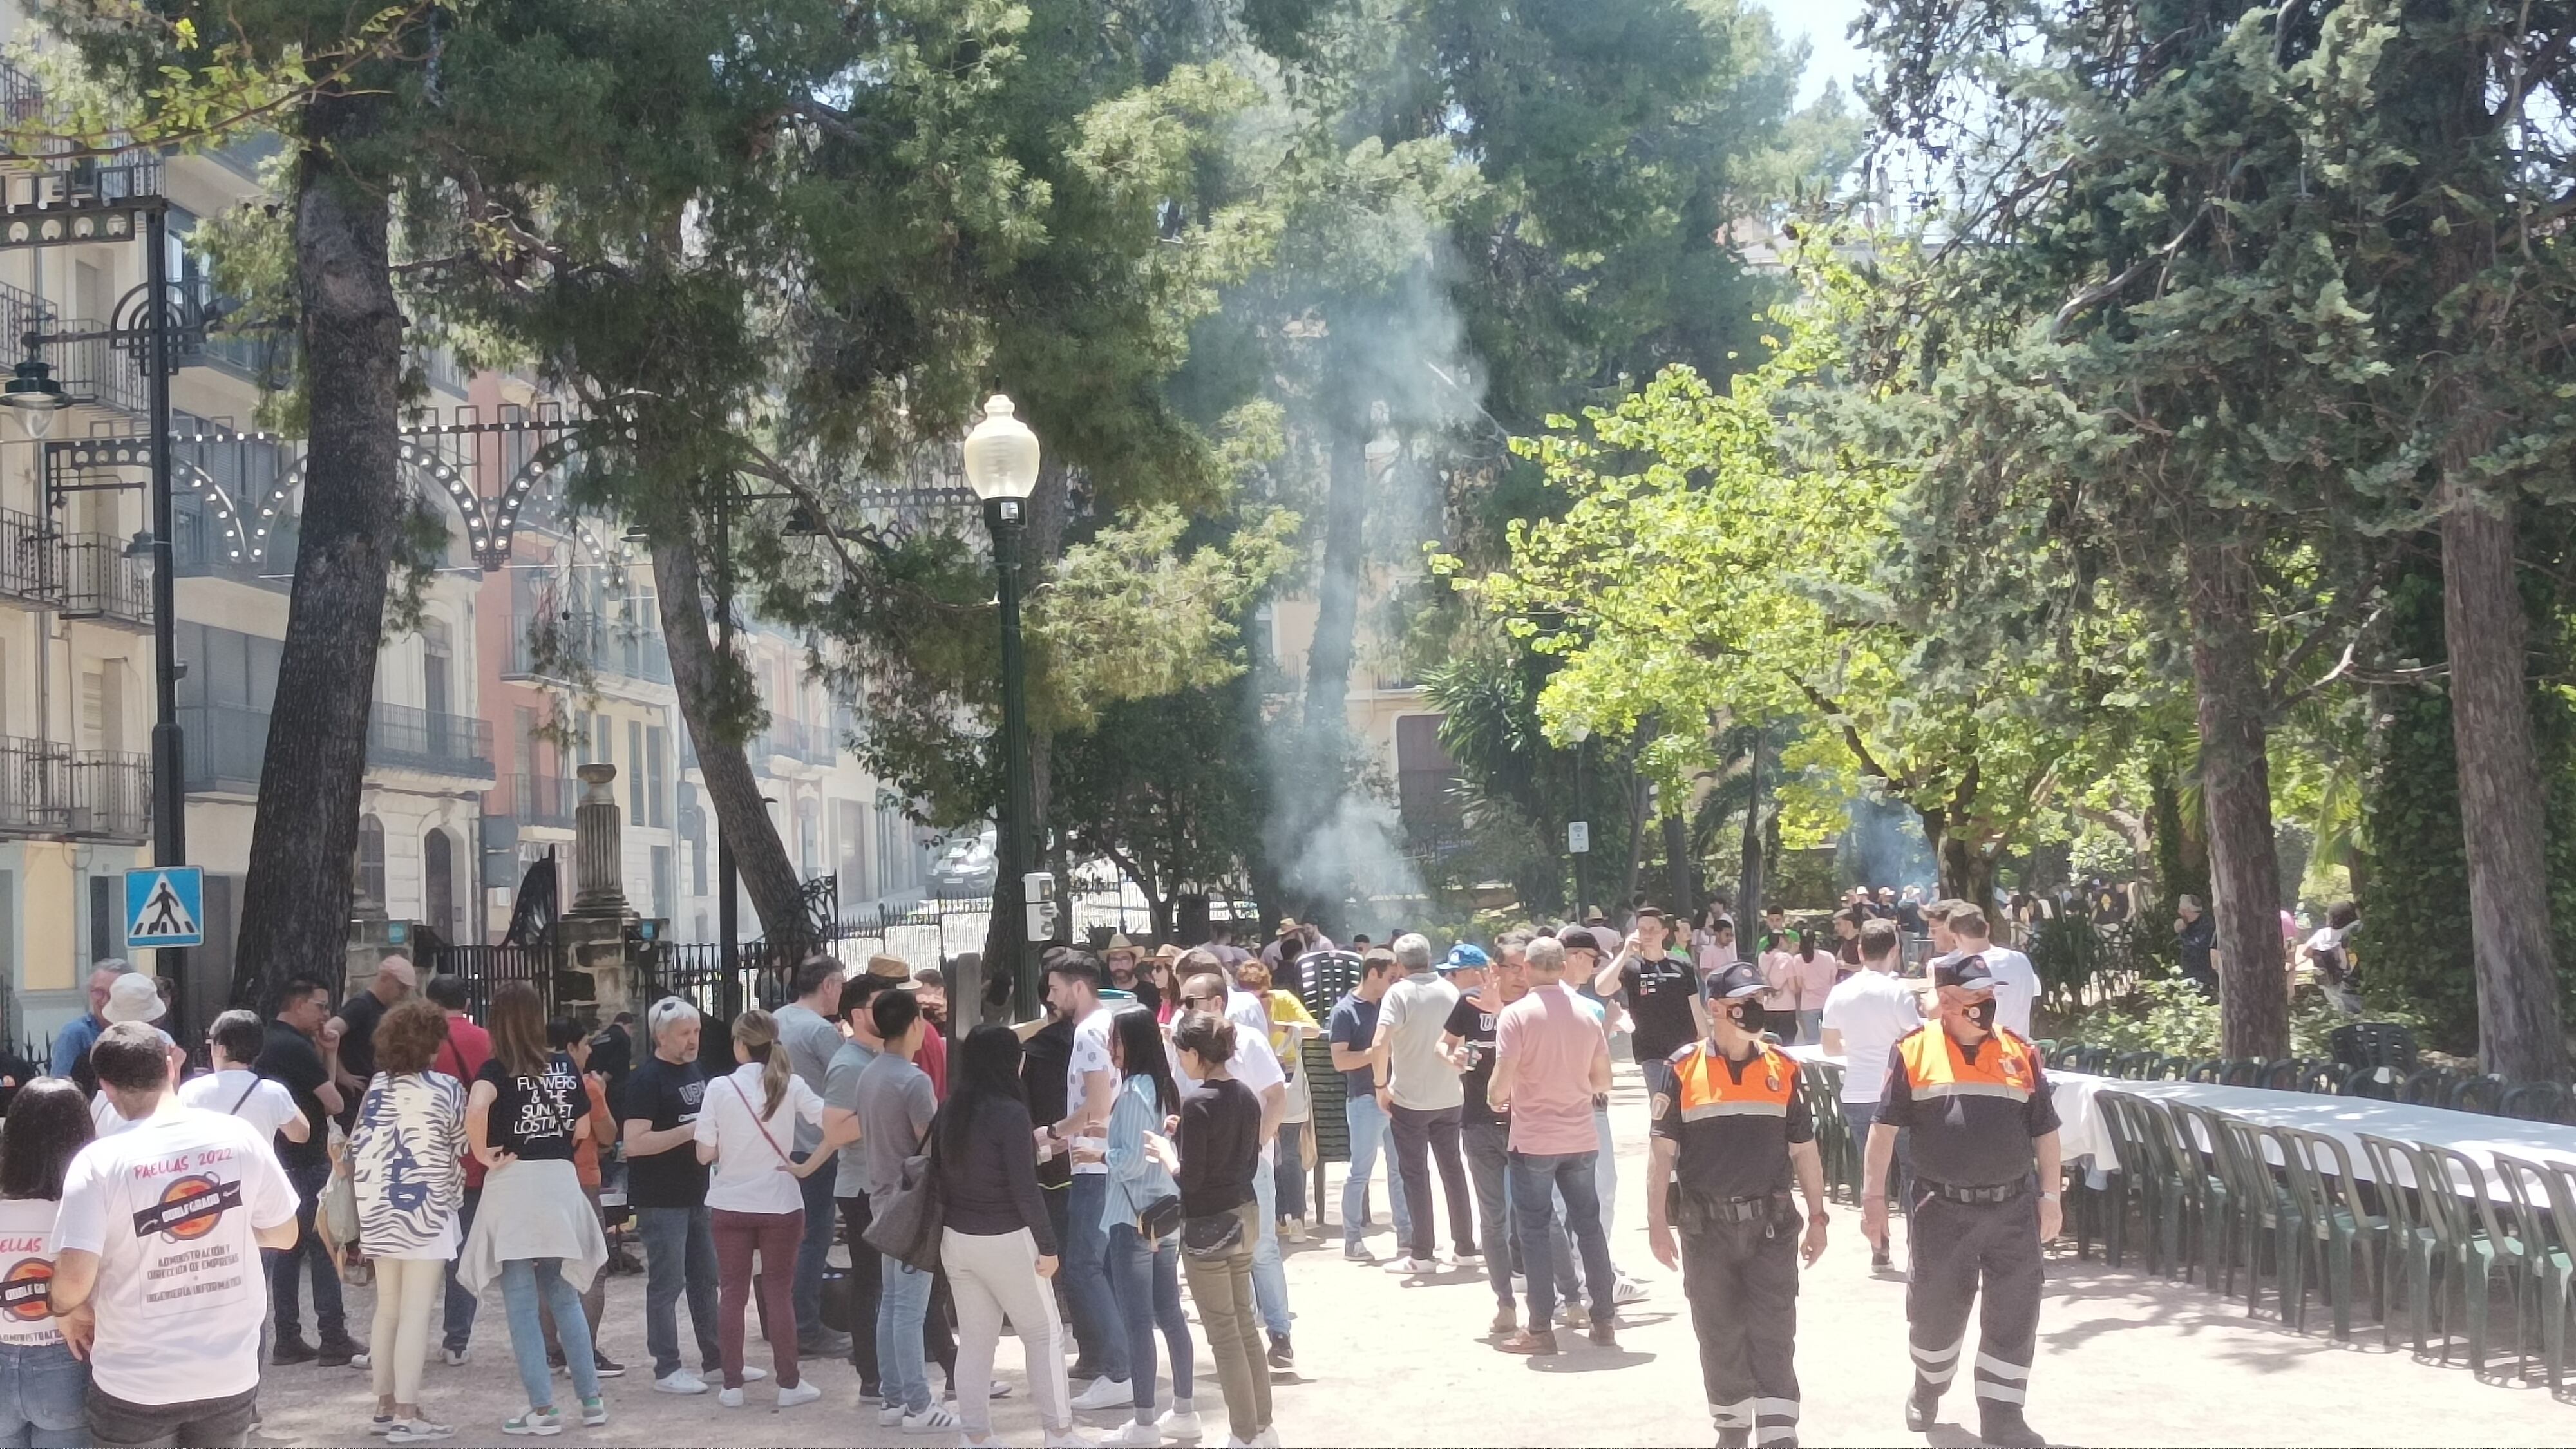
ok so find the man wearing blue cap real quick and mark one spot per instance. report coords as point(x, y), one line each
point(1984, 1198)
point(1730, 1132)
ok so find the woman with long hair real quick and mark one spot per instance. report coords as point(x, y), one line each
point(565, 1036)
point(535, 1229)
point(1145, 1270)
point(44, 1389)
point(406, 1161)
point(997, 1242)
point(746, 1126)
point(1818, 968)
point(1220, 1146)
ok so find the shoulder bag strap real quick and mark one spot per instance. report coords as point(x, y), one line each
point(235, 1109)
point(736, 1084)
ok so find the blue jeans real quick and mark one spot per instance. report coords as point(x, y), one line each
point(44, 1394)
point(1269, 1275)
point(1368, 1126)
point(903, 1301)
point(523, 1282)
point(1148, 1288)
point(679, 1256)
point(1086, 1273)
point(287, 1264)
point(1288, 1173)
point(814, 1250)
point(460, 1304)
point(1537, 1180)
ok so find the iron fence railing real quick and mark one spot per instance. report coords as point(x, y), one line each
point(102, 581)
point(420, 739)
point(537, 799)
point(546, 648)
point(52, 789)
point(485, 968)
point(30, 567)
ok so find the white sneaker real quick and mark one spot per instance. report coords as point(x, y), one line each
point(362, 1361)
point(1463, 1260)
point(805, 1392)
point(1268, 1438)
point(1627, 1290)
point(1407, 1267)
point(889, 1416)
point(1105, 1393)
point(1069, 1439)
point(730, 1398)
point(1179, 1424)
point(679, 1381)
point(455, 1357)
point(933, 1420)
point(752, 1375)
point(1134, 1435)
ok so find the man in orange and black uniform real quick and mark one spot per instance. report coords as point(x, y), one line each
point(1729, 1131)
point(1984, 1199)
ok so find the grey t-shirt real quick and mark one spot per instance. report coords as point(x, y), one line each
point(895, 1107)
point(841, 1089)
point(811, 1040)
point(1412, 1018)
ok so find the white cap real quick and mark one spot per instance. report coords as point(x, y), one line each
point(133, 997)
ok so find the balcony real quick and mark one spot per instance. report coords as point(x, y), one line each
point(225, 747)
point(51, 789)
point(85, 575)
point(401, 737)
point(545, 647)
point(541, 800)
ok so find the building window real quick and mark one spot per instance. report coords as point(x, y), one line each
point(635, 771)
point(436, 654)
point(657, 775)
point(438, 883)
point(662, 881)
point(371, 860)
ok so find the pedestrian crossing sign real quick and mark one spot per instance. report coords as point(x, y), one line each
point(165, 906)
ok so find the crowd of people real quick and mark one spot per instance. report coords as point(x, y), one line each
point(1069, 1178)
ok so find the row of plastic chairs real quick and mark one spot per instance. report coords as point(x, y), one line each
point(2214, 1191)
point(2425, 1086)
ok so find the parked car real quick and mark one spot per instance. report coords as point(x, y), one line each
point(968, 866)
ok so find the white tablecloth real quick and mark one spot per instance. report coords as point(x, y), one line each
point(2082, 1133)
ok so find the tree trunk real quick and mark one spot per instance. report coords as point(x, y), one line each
point(1681, 873)
point(2236, 795)
point(2519, 1035)
point(1748, 905)
point(1337, 589)
point(709, 686)
point(295, 903)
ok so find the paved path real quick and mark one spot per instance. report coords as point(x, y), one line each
point(2123, 1360)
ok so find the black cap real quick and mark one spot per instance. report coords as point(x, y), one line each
point(1968, 973)
point(1742, 978)
point(1578, 938)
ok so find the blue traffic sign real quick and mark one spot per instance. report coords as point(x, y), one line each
point(165, 905)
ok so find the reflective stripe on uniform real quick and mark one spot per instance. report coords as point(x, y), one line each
point(1988, 1363)
point(1969, 1089)
point(1937, 1365)
point(1735, 1109)
point(1737, 1415)
point(1934, 1066)
point(1786, 1409)
point(2000, 1393)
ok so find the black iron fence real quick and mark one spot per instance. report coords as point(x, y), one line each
point(486, 968)
point(422, 739)
point(50, 788)
point(101, 580)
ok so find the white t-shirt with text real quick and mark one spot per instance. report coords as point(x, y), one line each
point(171, 1207)
point(27, 1272)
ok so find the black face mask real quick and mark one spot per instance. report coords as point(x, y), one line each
point(1983, 1014)
point(1751, 1018)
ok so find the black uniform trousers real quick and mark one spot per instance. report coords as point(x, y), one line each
point(1960, 1251)
point(1741, 1280)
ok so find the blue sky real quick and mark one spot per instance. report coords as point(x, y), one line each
point(1823, 23)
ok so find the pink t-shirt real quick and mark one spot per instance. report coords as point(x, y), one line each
point(1550, 1041)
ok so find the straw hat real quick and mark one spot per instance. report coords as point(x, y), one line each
point(133, 997)
point(893, 968)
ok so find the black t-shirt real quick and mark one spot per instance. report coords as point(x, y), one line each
point(666, 1095)
point(1909, 916)
point(612, 1055)
point(1475, 1026)
point(290, 1059)
point(1220, 1146)
point(533, 1117)
point(1964, 1140)
point(2195, 941)
point(361, 1015)
point(1044, 1060)
point(1738, 1154)
point(1659, 998)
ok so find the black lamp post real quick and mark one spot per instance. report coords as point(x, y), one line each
point(1002, 467)
point(1578, 836)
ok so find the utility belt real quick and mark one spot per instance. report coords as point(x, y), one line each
point(1699, 1211)
point(1975, 1196)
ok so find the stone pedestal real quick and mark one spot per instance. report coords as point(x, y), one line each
point(599, 849)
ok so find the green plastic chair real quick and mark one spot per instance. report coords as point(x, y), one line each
point(2268, 1207)
point(2206, 1070)
point(2540, 1295)
point(2136, 1175)
point(2227, 1226)
point(2479, 1094)
point(2428, 1087)
point(2418, 1233)
point(2283, 1075)
point(2320, 1076)
point(2195, 1199)
point(2485, 1245)
point(2556, 1248)
point(2340, 1225)
point(2536, 1102)
point(2243, 1072)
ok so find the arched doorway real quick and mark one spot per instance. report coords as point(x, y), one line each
point(438, 883)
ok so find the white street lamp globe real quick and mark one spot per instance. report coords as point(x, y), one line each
point(1001, 454)
point(1578, 733)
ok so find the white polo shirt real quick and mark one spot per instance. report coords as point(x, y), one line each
point(1871, 1009)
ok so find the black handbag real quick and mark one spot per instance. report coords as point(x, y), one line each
point(1214, 1236)
point(906, 1227)
point(1160, 1218)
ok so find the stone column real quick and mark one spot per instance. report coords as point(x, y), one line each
point(599, 844)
